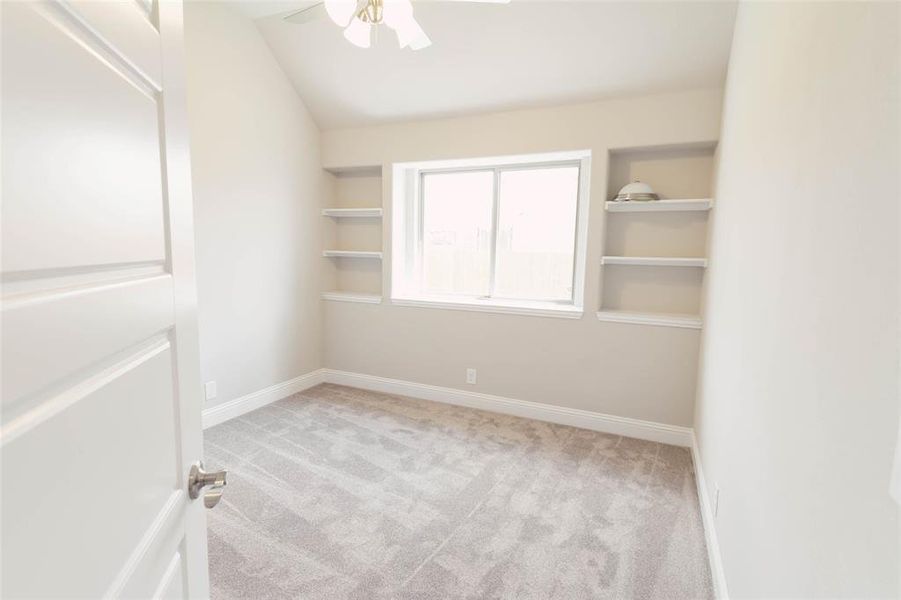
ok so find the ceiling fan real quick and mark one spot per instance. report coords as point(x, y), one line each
point(358, 17)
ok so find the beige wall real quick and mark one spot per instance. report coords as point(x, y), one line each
point(627, 370)
point(257, 189)
point(798, 411)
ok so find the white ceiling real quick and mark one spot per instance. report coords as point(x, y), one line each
point(488, 57)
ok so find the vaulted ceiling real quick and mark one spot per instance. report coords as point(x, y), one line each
point(487, 57)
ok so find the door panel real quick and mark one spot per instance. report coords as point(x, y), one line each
point(164, 577)
point(101, 387)
point(78, 481)
point(126, 26)
point(87, 150)
point(161, 569)
point(73, 328)
point(171, 586)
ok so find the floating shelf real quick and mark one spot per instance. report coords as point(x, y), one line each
point(352, 212)
point(654, 261)
point(352, 297)
point(661, 319)
point(351, 254)
point(660, 205)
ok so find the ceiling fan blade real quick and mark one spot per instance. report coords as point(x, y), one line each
point(308, 14)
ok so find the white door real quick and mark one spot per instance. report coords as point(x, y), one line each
point(101, 387)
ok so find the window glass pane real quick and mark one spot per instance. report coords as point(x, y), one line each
point(456, 236)
point(536, 233)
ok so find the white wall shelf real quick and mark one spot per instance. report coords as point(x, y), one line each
point(352, 212)
point(353, 208)
point(661, 244)
point(654, 261)
point(647, 318)
point(352, 297)
point(351, 254)
point(661, 205)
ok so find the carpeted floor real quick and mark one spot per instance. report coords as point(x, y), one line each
point(341, 493)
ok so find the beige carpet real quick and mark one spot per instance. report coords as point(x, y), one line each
point(341, 493)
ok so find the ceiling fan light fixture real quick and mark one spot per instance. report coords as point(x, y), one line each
point(397, 13)
point(359, 33)
point(409, 33)
point(420, 41)
point(340, 11)
point(358, 17)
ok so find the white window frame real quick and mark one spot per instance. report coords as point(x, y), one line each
point(407, 234)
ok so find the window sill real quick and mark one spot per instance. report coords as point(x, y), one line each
point(534, 309)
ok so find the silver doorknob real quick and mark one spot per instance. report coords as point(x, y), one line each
point(199, 480)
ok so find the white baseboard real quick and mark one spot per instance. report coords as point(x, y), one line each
point(237, 407)
point(636, 428)
point(645, 430)
point(717, 574)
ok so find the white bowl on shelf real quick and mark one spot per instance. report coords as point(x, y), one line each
point(637, 191)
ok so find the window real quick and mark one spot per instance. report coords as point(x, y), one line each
point(456, 232)
point(493, 234)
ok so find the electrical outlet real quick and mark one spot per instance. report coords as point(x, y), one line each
point(716, 499)
point(209, 390)
point(471, 376)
